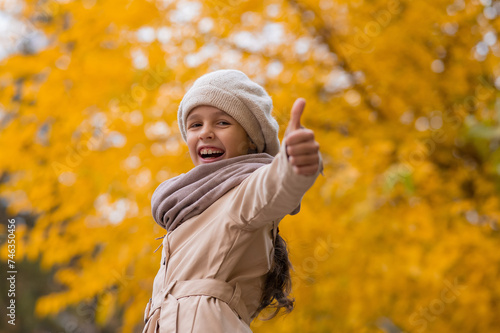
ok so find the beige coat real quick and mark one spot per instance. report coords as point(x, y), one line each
point(213, 266)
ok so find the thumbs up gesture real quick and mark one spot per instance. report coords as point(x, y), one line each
point(301, 147)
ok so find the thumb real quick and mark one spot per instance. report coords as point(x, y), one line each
point(295, 114)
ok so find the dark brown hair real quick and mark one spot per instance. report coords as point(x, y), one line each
point(278, 284)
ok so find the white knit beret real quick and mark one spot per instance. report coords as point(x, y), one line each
point(234, 93)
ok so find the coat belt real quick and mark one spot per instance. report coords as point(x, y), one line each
point(166, 300)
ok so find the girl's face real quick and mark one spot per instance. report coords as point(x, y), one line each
point(213, 135)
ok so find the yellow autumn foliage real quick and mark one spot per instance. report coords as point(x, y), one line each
point(400, 235)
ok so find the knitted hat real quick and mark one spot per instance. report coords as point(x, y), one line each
point(234, 93)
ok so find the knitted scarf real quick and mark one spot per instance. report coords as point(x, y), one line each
point(187, 195)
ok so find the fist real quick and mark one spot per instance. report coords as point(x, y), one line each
point(301, 148)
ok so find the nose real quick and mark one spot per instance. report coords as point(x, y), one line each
point(206, 133)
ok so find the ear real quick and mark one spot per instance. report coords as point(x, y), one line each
point(252, 147)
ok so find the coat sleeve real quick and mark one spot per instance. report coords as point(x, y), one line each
point(271, 192)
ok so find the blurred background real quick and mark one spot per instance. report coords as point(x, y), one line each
point(400, 235)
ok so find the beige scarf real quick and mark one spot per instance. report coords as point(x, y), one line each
point(187, 195)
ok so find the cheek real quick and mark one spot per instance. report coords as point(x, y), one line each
point(191, 145)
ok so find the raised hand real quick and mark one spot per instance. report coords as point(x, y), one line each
point(301, 147)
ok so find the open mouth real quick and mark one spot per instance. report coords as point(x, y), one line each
point(210, 153)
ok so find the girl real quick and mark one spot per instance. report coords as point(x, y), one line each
point(223, 260)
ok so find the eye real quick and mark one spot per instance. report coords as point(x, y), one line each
point(223, 122)
point(194, 125)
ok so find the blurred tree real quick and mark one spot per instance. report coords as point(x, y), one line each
point(401, 234)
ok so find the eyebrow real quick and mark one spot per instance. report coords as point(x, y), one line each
point(217, 113)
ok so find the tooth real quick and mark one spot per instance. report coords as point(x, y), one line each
point(210, 151)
